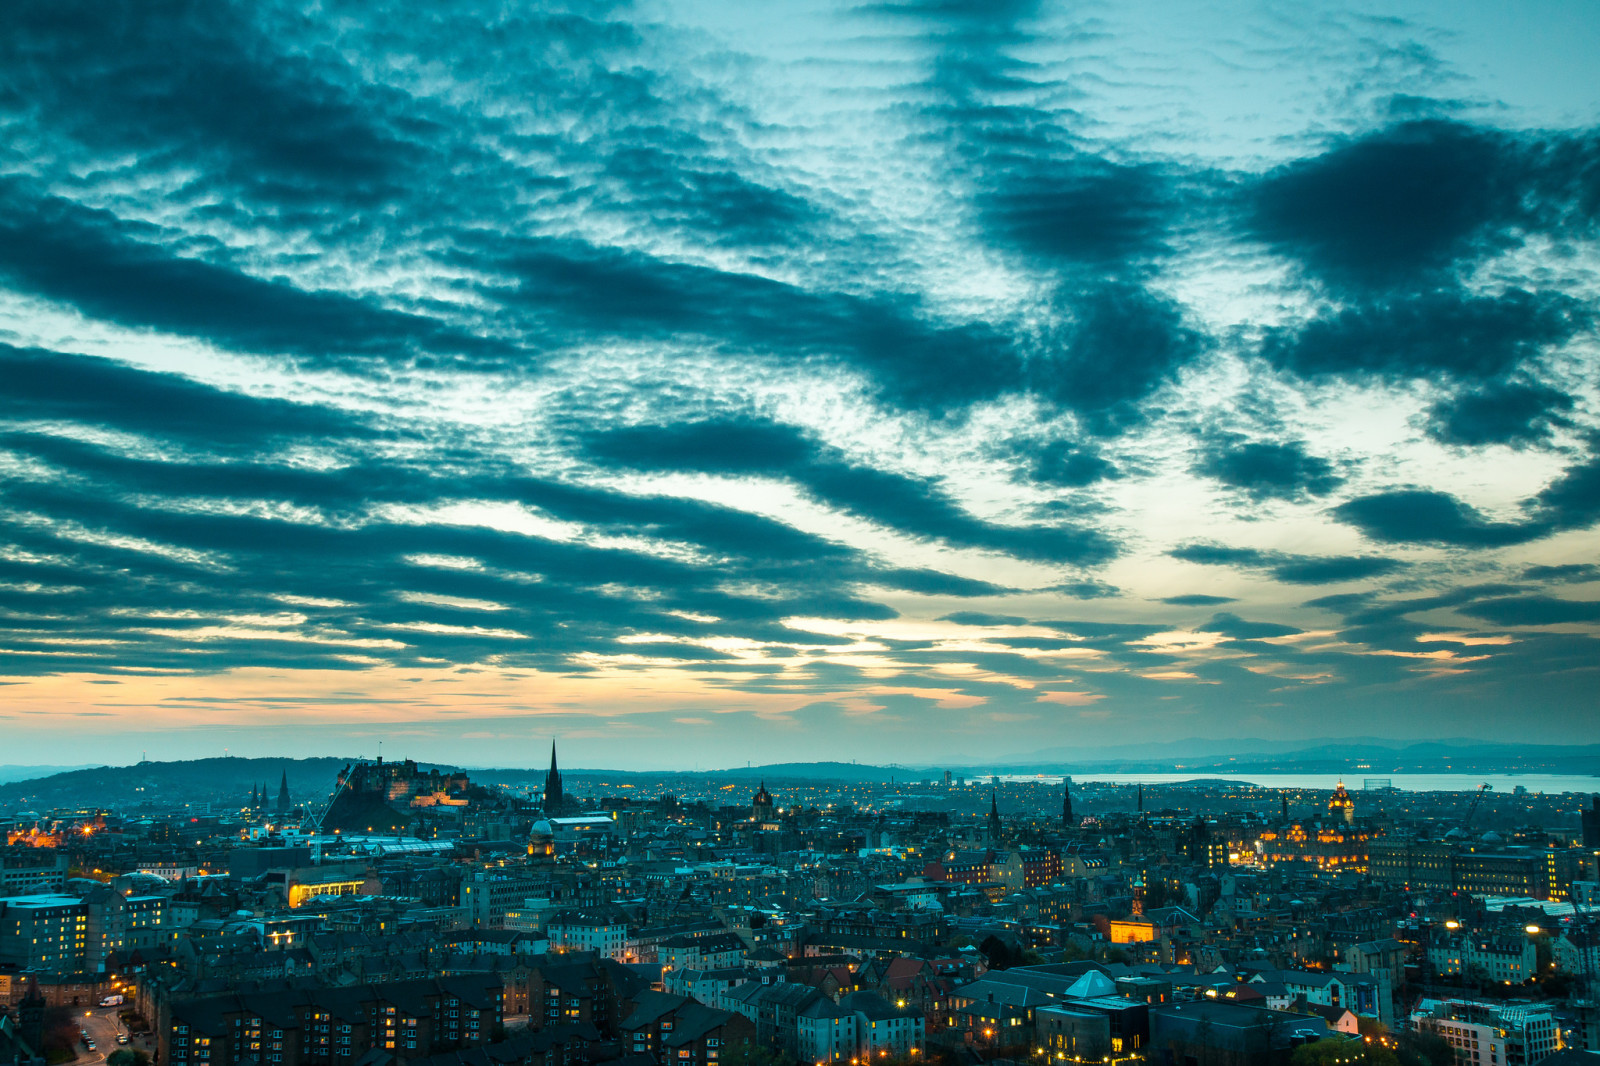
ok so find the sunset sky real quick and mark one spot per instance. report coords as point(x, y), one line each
point(702, 382)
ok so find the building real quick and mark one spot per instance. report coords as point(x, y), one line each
point(332, 1026)
point(122, 924)
point(1341, 807)
point(761, 807)
point(1072, 1035)
point(486, 895)
point(1318, 850)
point(585, 931)
point(1507, 959)
point(25, 870)
point(1578, 940)
point(1478, 867)
point(1358, 992)
point(48, 933)
point(1228, 1034)
point(1491, 1034)
point(554, 796)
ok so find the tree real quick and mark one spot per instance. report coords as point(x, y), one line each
point(749, 1053)
point(999, 955)
point(60, 1035)
point(1419, 1048)
point(128, 1057)
point(1338, 1052)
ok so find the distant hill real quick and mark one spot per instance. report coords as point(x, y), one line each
point(1370, 755)
point(822, 771)
point(27, 773)
point(219, 781)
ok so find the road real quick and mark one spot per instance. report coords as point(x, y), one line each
point(103, 1026)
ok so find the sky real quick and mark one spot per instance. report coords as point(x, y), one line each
point(702, 382)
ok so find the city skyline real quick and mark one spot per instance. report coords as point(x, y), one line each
point(702, 383)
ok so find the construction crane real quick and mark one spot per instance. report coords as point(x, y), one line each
point(316, 827)
point(1476, 799)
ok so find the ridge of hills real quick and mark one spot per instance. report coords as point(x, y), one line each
point(229, 780)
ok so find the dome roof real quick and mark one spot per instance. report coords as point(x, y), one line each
point(542, 828)
point(1491, 837)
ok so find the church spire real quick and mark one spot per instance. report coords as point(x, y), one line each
point(1066, 802)
point(994, 819)
point(283, 794)
point(553, 794)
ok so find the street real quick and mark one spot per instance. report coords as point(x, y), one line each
point(102, 1025)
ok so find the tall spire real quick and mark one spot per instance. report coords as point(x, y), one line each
point(1141, 799)
point(283, 794)
point(994, 819)
point(1066, 802)
point(552, 784)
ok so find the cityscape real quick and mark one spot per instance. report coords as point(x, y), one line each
point(406, 913)
point(799, 533)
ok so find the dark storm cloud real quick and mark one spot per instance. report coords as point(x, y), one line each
point(1501, 412)
point(1444, 332)
point(1196, 599)
point(916, 506)
point(1266, 470)
point(1287, 567)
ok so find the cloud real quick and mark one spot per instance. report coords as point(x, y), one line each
point(1422, 516)
point(978, 618)
point(1195, 599)
point(1501, 412)
point(89, 259)
point(1288, 567)
point(1266, 469)
point(60, 386)
point(1534, 611)
point(1232, 626)
point(916, 506)
point(1390, 207)
point(1114, 345)
point(1566, 572)
point(1070, 465)
point(914, 359)
point(1444, 332)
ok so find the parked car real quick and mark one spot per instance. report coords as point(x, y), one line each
point(122, 1038)
point(88, 1042)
